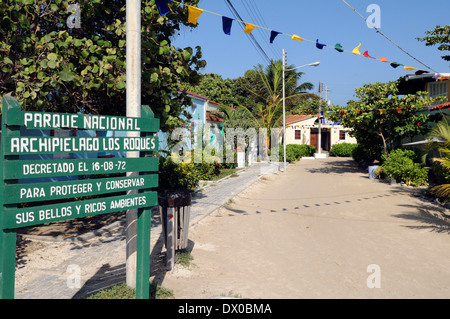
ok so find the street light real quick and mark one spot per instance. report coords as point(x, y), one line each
point(284, 100)
point(301, 66)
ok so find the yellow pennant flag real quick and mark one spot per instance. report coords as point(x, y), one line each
point(249, 28)
point(356, 50)
point(194, 14)
point(409, 68)
point(297, 38)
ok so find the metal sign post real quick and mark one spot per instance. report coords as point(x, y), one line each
point(14, 191)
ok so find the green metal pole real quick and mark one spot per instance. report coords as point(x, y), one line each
point(7, 264)
point(143, 254)
point(7, 237)
point(143, 231)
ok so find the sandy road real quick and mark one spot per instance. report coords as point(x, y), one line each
point(321, 230)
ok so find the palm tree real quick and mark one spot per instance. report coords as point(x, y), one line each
point(439, 138)
point(267, 90)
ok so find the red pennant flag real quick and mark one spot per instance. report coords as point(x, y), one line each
point(366, 54)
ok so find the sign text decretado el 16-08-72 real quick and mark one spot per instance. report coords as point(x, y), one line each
point(24, 157)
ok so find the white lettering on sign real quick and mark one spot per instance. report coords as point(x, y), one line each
point(63, 190)
point(79, 144)
point(111, 144)
point(46, 120)
point(94, 207)
point(32, 192)
point(25, 217)
point(80, 121)
point(125, 183)
point(139, 143)
point(99, 122)
point(128, 202)
point(51, 213)
point(47, 168)
point(40, 145)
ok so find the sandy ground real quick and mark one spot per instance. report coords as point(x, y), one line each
point(321, 230)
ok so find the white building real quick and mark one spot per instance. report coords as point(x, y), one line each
point(304, 129)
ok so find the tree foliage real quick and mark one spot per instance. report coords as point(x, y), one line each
point(215, 88)
point(49, 67)
point(440, 36)
point(266, 87)
point(379, 118)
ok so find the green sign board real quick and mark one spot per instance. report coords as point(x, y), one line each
point(21, 193)
point(47, 120)
point(92, 193)
point(37, 215)
point(54, 145)
point(72, 167)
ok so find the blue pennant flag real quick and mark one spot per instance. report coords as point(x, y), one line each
point(273, 35)
point(163, 6)
point(320, 45)
point(226, 25)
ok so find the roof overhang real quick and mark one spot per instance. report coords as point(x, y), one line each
point(411, 84)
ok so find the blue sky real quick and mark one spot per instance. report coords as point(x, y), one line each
point(330, 21)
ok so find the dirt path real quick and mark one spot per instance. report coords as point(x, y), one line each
point(321, 230)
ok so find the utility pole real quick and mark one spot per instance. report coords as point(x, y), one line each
point(319, 142)
point(133, 98)
point(326, 95)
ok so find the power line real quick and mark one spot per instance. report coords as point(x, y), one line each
point(256, 16)
point(378, 31)
point(250, 36)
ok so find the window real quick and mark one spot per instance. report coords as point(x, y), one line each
point(342, 134)
point(297, 135)
point(436, 89)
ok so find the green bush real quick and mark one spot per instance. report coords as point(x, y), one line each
point(343, 149)
point(176, 176)
point(206, 170)
point(295, 152)
point(400, 165)
point(304, 150)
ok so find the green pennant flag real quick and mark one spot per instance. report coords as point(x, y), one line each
point(338, 47)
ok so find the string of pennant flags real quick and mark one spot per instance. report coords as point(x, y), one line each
point(194, 14)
